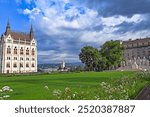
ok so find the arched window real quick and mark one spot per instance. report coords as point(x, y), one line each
point(8, 50)
point(33, 52)
point(8, 65)
point(27, 64)
point(33, 65)
point(15, 65)
point(21, 65)
point(21, 51)
point(15, 50)
point(27, 51)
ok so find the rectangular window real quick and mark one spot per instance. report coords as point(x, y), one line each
point(21, 58)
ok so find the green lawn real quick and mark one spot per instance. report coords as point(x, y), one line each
point(84, 85)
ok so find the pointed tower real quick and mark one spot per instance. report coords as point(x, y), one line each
point(8, 28)
point(31, 33)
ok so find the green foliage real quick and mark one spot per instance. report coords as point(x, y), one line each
point(111, 53)
point(77, 69)
point(119, 89)
point(83, 85)
point(144, 75)
point(89, 56)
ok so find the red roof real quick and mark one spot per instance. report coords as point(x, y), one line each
point(20, 35)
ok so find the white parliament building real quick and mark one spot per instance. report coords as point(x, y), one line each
point(18, 52)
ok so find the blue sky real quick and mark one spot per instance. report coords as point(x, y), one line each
point(63, 27)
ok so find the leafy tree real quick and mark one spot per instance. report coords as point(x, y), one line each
point(112, 54)
point(90, 57)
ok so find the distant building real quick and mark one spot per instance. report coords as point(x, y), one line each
point(18, 52)
point(63, 66)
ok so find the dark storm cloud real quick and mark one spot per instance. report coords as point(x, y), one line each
point(134, 27)
point(57, 42)
point(118, 7)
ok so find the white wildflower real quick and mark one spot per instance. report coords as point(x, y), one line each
point(1, 91)
point(46, 87)
point(74, 95)
point(124, 91)
point(102, 84)
point(67, 90)
point(6, 96)
point(6, 88)
point(110, 97)
point(11, 90)
point(68, 97)
point(56, 92)
point(97, 97)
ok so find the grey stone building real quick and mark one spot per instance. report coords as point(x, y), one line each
point(136, 54)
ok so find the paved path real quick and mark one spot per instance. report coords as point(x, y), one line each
point(144, 94)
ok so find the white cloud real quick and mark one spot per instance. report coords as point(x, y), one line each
point(55, 19)
point(76, 24)
point(116, 20)
point(27, 11)
point(34, 12)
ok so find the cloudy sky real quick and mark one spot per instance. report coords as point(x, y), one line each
point(63, 27)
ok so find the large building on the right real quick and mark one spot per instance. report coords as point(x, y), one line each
point(137, 48)
point(136, 54)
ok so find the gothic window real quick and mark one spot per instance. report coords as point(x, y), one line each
point(143, 44)
point(21, 51)
point(132, 45)
point(15, 58)
point(144, 52)
point(148, 52)
point(27, 65)
point(8, 58)
point(8, 65)
point(33, 65)
point(21, 65)
point(21, 58)
point(33, 52)
point(33, 59)
point(27, 51)
point(8, 50)
point(15, 50)
point(15, 65)
point(27, 59)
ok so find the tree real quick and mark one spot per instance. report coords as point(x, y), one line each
point(90, 57)
point(112, 53)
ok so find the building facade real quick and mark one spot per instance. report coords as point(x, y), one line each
point(136, 54)
point(138, 48)
point(18, 52)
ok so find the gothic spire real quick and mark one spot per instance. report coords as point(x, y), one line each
point(8, 23)
point(8, 28)
point(31, 29)
point(31, 32)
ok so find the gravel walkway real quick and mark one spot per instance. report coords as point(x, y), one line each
point(144, 94)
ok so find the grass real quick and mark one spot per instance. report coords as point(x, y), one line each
point(86, 85)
